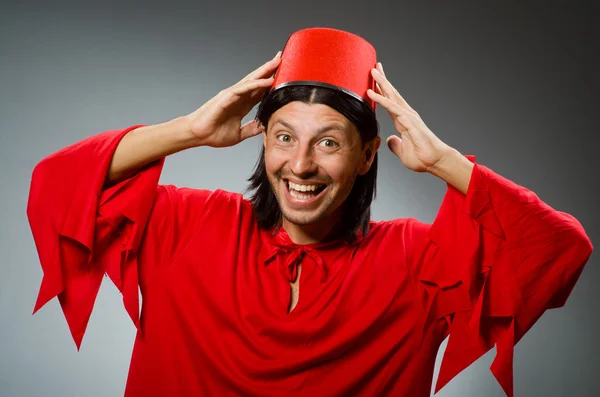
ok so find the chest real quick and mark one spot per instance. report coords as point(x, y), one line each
point(235, 304)
point(245, 282)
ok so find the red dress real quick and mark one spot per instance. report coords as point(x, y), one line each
point(371, 314)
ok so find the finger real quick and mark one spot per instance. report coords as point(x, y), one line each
point(250, 129)
point(394, 143)
point(265, 70)
point(258, 94)
point(251, 85)
point(404, 121)
point(391, 106)
point(380, 92)
point(388, 89)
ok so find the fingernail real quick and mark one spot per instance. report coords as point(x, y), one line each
point(277, 55)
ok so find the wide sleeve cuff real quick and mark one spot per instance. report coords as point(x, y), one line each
point(82, 231)
point(498, 258)
point(460, 273)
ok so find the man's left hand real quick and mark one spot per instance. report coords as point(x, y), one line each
point(418, 148)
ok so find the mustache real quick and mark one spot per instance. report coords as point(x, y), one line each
point(325, 180)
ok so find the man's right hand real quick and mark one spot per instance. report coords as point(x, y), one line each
point(218, 123)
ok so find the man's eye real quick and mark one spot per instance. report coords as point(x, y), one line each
point(284, 138)
point(328, 143)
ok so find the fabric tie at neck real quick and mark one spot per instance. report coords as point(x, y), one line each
point(293, 256)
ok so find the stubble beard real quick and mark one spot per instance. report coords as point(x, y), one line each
point(300, 218)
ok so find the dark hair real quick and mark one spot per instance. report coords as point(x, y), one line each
point(357, 207)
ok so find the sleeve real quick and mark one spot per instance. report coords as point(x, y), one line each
point(493, 261)
point(83, 232)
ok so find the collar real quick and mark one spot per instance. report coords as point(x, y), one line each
point(292, 254)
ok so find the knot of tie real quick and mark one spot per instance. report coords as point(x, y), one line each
point(293, 256)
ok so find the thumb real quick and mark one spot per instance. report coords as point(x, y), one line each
point(250, 129)
point(394, 143)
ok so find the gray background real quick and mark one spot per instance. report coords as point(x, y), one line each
point(514, 84)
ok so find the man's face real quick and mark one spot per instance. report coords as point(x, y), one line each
point(312, 156)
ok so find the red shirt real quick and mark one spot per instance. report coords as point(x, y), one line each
point(371, 314)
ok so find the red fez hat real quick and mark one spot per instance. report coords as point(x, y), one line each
point(328, 58)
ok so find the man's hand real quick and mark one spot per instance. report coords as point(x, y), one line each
point(418, 148)
point(218, 123)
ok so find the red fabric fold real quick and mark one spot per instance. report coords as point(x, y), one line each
point(81, 231)
point(489, 266)
point(490, 253)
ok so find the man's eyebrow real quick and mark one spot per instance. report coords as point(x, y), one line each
point(283, 123)
point(334, 126)
point(330, 127)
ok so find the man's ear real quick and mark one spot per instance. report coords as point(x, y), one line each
point(369, 152)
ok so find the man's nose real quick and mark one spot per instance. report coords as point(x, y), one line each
point(303, 162)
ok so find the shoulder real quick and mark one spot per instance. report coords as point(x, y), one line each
point(399, 225)
point(190, 195)
point(208, 203)
point(407, 231)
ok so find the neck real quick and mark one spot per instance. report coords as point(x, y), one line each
point(325, 229)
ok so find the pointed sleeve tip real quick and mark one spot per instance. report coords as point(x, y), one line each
point(79, 229)
point(515, 257)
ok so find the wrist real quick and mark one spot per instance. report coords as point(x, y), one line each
point(453, 168)
point(445, 163)
point(182, 131)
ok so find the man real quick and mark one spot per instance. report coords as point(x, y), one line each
point(296, 291)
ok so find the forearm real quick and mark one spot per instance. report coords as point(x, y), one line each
point(455, 169)
point(518, 213)
point(146, 144)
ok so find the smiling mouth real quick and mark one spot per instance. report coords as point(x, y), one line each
point(304, 192)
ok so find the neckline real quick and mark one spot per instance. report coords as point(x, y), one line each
point(278, 236)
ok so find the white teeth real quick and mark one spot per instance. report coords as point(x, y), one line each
point(302, 192)
point(302, 188)
point(299, 196)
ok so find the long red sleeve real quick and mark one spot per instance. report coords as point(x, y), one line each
point(491, 263)
point(131, 231)
point(81, 231)
point(489, 266)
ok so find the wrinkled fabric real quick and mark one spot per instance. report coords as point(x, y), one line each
point(370, 316)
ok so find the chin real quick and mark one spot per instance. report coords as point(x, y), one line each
point(302, 218)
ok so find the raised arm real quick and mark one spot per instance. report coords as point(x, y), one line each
point(93, 204)
point(147, 144)
point(495, 258)
point(217, 123)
